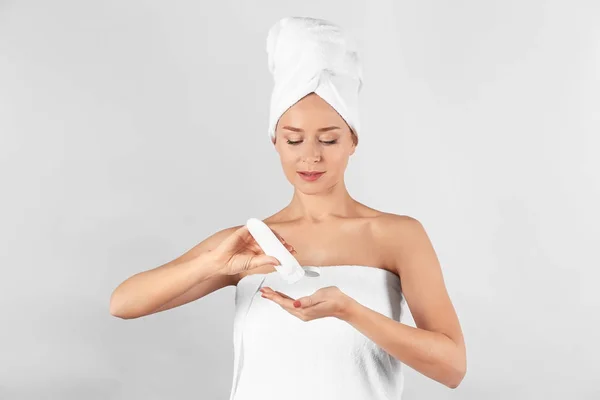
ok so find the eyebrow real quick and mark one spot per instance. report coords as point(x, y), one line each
point(326, 129)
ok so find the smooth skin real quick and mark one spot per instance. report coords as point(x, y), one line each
point(325, 226)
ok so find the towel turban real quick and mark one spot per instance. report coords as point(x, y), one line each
point(313, 55)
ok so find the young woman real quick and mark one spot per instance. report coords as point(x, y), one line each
point(338, 336)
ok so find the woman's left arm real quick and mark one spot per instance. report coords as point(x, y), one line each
point(436, 347)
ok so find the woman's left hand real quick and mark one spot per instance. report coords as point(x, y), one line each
point(326, 302)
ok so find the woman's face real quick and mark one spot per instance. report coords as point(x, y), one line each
point(312, 136)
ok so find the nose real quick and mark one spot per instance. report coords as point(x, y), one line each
point(311, 158)
point(311, 154)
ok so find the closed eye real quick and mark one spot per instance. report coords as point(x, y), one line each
point(300, 141)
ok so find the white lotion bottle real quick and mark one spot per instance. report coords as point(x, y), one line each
point(290, 269)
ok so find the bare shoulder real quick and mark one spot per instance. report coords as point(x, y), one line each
point(401, 236)
point(390, 225)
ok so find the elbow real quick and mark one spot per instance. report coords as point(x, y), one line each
point(120, 309)
point(456, 368)
point(456, 375)
point(453, 380)
point(453, 384)
point(116, 309)
point(115, 312)
point(113, 306)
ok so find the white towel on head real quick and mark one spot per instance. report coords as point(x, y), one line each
point(313, 55)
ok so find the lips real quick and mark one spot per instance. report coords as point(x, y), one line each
point(310, 176)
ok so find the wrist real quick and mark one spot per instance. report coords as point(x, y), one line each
point(348, 309)
point(211, 263)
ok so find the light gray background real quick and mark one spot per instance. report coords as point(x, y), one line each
point(130, 131)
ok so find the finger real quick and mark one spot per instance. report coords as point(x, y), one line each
point(317, 311)
point(262, 260)
point(285, 243)
point(288, 246)
point(275, 297)
point(279, 236)
point(304, 302)
point(242, 231)
point(245, 234)
point(317, 297)
point(287, 303)
point(285, 296)
point(255, 248)
point(269, 290)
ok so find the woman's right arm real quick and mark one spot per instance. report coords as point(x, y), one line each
point(187, 278)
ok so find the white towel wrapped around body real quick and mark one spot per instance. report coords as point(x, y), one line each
point(313, 55)
point(278, 356)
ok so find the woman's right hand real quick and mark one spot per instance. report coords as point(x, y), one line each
point(239, 252)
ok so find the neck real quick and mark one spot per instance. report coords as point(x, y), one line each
point(335, 202)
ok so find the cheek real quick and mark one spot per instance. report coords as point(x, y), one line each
point(286, 157)
point(337, 160)
point(288, 160)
